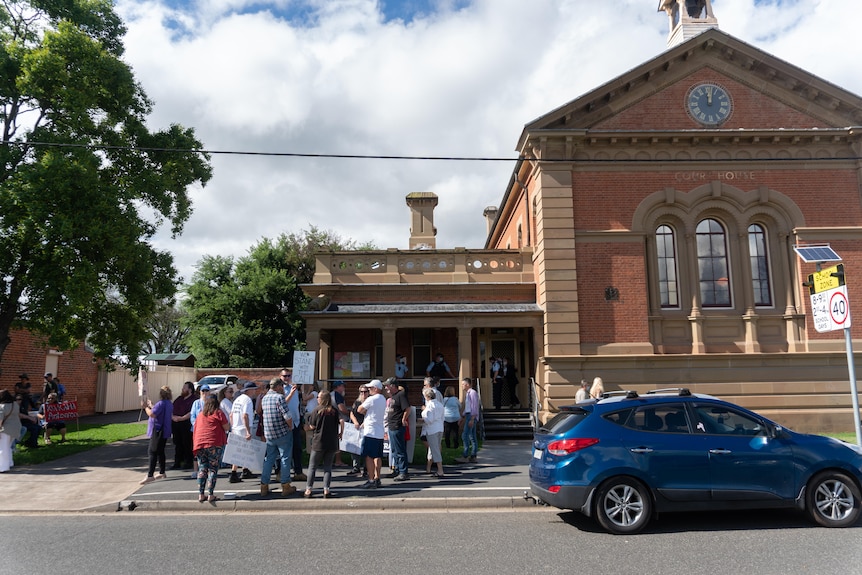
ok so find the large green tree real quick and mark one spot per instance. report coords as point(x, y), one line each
point(84, 184)
point(245, 312)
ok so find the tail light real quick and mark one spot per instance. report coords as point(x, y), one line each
point(567, 446)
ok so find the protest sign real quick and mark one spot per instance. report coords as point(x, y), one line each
point(351, 439)
point(245, 453)
point(303, 367)
point(61, 411)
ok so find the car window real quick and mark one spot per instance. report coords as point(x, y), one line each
point(564, 421)
point(665, 418)
point(721, 420)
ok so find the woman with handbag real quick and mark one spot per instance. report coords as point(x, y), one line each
point(159, 431)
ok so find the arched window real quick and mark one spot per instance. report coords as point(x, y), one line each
point(667, 270)
point(712, 265)
point(757, 250)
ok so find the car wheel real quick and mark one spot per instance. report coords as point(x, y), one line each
point(833, 499)
point(623, 505)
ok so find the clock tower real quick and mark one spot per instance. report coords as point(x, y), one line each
point(687, 19)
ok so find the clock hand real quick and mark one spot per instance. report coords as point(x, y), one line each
point(709, 95)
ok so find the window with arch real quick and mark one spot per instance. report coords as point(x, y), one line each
point(667, 270)
point(758, 253)
point(712, 264)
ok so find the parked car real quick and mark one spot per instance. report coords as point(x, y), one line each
point(626, 457)
point(216, 382)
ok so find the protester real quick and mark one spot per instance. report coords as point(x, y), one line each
point(309, 399)
point(432, 429)
point(208, 440)
point(22, 386)
point(397, 423)
point(326, 426)
point(340, 406)
point(30, 427)
point(278, 431)
point(471, 421)
point(293, 403)
point(51, 425)
point(197, 408)
point(181, 427)
point(50, 386)
point(225, 398)
point(159, 431)
point(242, 422)
point(356, 419)
point(10, 429)
point(374, 411)
point(451, 418)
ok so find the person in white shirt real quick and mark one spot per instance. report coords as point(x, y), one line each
point(374, 410)
point(432, 429)
point(242, 421)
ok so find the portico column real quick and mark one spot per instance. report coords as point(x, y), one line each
point(465, 352)
point(388, 340)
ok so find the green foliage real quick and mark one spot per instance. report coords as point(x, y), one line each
point(245, 313)
point(84, 185)
point(167, 330)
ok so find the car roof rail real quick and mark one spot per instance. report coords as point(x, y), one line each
point(628, 393)
point(681, 391)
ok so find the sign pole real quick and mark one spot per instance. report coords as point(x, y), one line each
point(853, 392)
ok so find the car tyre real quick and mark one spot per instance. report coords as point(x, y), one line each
point(833, 499)
point(623, 505)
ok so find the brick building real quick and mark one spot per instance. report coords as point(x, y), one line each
point(646, 236)
point(77, 371)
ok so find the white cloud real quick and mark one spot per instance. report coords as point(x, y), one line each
point(459, 82)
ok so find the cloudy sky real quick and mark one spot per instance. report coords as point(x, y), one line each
point(442, 78)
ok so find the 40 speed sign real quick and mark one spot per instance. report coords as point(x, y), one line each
point(831, 309)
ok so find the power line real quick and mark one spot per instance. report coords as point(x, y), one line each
point(428, 158)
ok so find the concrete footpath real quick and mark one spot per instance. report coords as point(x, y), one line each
point(106, 479)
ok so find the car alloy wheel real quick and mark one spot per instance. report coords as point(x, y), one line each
point(833, 499)
point(623, 505)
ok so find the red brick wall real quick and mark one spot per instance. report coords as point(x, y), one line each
point(620, 265)
point(75, 369)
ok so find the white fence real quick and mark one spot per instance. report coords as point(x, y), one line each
point(118, 390)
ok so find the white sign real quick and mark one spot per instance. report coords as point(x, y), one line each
point(831, 309)
point(245, 453)
point(303, 367)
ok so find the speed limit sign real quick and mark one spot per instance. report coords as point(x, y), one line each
point(839, 307)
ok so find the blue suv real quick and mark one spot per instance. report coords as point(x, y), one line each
point(626, 457)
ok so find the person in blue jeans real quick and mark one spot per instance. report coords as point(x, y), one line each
point(397, 422)
point(278, 431)
point(471, 420)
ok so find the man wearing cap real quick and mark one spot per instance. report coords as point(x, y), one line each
point(49, 387)
point(242, 419)
point(278, 427)
point(374, 410)
point(397, 422)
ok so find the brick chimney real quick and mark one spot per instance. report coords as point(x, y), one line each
point(422, 231)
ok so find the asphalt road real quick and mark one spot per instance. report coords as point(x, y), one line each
point(533, 540)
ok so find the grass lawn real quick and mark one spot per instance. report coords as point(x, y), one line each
point(88, 437)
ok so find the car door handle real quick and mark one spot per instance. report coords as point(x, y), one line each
point(720, 451)
point(641, 450)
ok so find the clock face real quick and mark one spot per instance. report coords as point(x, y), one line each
point(709, 104)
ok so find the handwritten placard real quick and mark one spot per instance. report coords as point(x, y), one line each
point(303, 367)
point(245, 453)
point(61, 411)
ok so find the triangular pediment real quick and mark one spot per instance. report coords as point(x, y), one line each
point(652, 96)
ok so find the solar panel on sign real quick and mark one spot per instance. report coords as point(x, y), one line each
point(817, 254)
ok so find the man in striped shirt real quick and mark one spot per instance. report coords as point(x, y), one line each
point(278, 432)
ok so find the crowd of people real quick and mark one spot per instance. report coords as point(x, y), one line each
point(24, 416)
point(288, 418)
